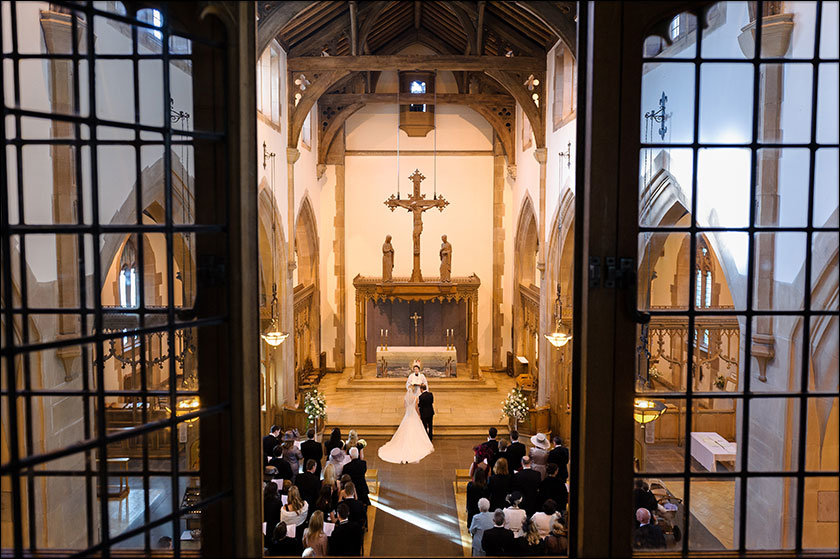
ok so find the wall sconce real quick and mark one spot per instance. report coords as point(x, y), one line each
point(558, 338)
point(659, 116)
point(568, 155)
point(645, 411)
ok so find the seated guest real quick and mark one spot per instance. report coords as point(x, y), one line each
point(270, 441)
point(557, 542)
point(544, 519)
point(648, 535)
point(271, 507)
point(539, 453)
point(498, 540)
point(358, 510)
point(499, 484)
point(353, 441)
point(356, 469)
point(527, 482)
point(281, 544)
point(347, 537)
point(482, 521)
point(476, 490)
point(514, 516)
point(312, 450)
point(314, 536)
point(295, 511)
point(291, 454)
point(333, 442)
point(643, 497)
point(284, 469)
point(554, 488)
point(560, 455)
point(338, 459)
point(502, 453)
point(309, 484)
point(530, 544)
point(515, 451)
point(324, 503)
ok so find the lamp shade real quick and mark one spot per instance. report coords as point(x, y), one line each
point(645, 411)
point(274, 337)
point(558, 339)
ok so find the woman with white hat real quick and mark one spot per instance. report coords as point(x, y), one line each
point(539, 453)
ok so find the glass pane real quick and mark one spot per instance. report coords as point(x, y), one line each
point(670, 86)
point(663, 354)
point(827, 104)
point(821, 452)
point(781, 193)
point(722, 37)
point(659, 444)
point(714, 430)
point(828, 33)
point(665, 177)
point(779, 275)
point(771, 513)
point(824, 271)
point(774, 434)
point(820, 516)
point(662, 499)
point(713, 517)
point(826, 179)
point(785, 103)
point(776, 361)
point(663, 271)
point(723, 187)
point(726, 118)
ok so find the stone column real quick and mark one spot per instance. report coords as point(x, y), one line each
point(497, 317)
point(540, 154)
point(58, 30)
point(473, 306)
point(357, 370)
point(292, 155)
point(340, 318)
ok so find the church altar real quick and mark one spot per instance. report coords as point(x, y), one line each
point(436, 361)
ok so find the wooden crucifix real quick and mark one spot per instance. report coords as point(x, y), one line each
point(417, 204)
point(415, 317)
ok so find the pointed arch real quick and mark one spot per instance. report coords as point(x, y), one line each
point(526, 292)
point(307, 294)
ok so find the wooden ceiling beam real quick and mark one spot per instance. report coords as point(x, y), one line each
point(428, 98)
point(322, 36)
point(554, 18)
point(354, 27)
point(479, 39)
point(467, 25)
point(416, 62)
point(367, 23)
point(270, 25)
point(508, 33)
point(448, 33)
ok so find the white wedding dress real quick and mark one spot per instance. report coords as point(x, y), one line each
point(411, 442)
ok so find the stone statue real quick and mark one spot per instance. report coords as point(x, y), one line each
point(387, 259)
point(445, 260)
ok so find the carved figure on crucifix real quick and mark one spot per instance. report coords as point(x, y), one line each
point(416, 204)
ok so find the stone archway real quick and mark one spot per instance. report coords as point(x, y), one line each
point(276, 364)
point(560, 273)
point(307, 293)
point(526, 292)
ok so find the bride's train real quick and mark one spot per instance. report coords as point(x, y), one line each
point(410, 443)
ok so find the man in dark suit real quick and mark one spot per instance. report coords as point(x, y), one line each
point(312, 450)
point(347, 537)
point(270, 441)
point(284, 469)
point(515, 451)
point(309, 485)
point(356, 469)
point(554, 488)
point(527, 482)
point(648, 535)
point(358, 510)
point(425, 404)
point(560, 455)
point(498, 540)
point(492, 445)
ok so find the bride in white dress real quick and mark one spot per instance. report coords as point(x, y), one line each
point(411, 442)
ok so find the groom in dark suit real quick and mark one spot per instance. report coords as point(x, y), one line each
point(425, 405)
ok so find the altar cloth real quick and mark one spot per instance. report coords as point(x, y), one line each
point(436, 361)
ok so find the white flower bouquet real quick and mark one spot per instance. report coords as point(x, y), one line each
point(315, 406)
point(515, 406)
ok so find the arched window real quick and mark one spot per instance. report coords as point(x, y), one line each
point(154, 17)
point(128, 276)
point(417, 87)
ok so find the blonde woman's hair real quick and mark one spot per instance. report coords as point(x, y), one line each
point(352, 439)
point(329, 474)
point(315, 529)
point(501, 467)
point(295, 502)
point(533, 534)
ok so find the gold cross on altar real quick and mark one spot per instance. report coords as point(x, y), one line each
point(415, 317)
point(416, 204)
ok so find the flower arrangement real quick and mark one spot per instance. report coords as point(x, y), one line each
point(315, 406)
point(720, 382)
point(515, 406)
point(362, 443)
